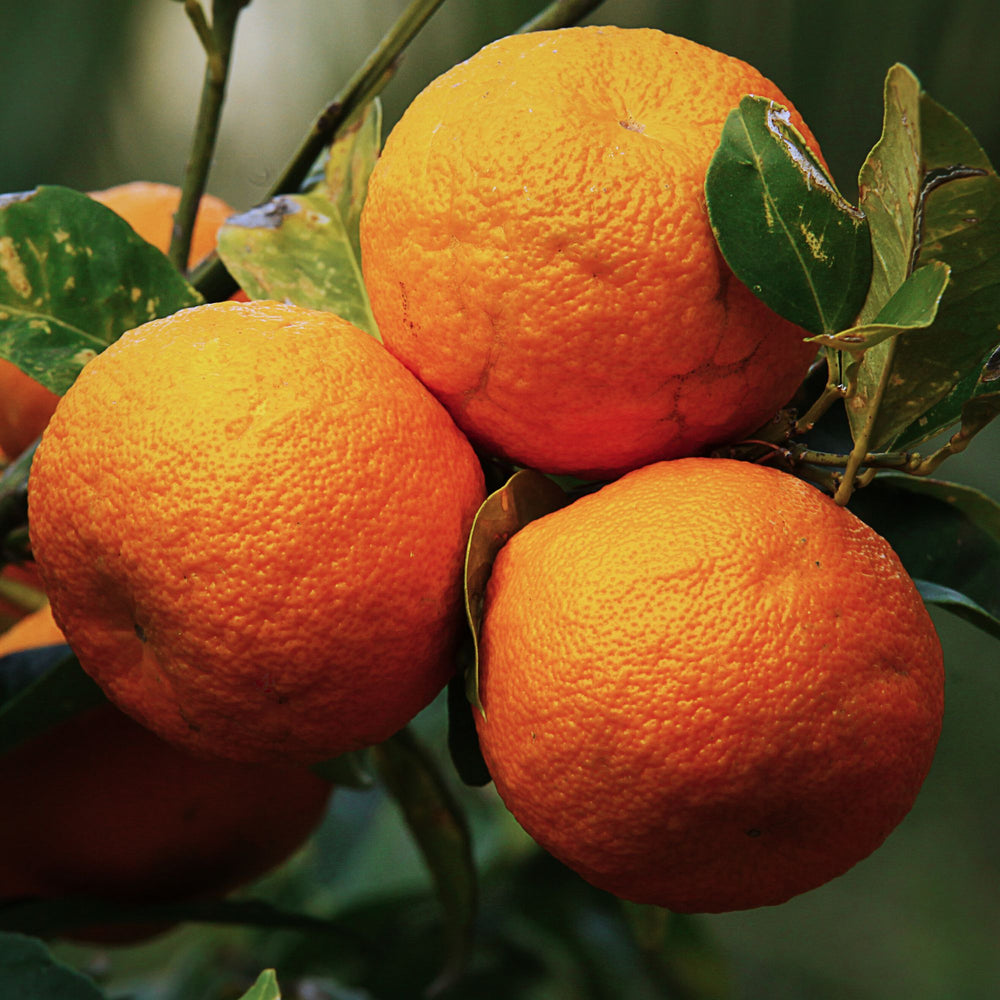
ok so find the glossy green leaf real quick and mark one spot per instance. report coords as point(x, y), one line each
point(74, 276)
point(933, 198)
point(947, 536)
point(782, 226)
point(304, 248)
point(527, 495)
point(914, 306)
point(439, 827)
point(29, 971)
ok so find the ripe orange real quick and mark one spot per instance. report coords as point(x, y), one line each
point(537, 250)
point(149, 209)
point(250, 520)
point(26, 405)
point(99, 806)
point(707, 686)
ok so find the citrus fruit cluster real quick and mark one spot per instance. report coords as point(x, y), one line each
point(704, 685)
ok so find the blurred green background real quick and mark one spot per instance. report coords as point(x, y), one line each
point(105, 91)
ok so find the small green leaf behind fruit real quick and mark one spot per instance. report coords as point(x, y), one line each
point(74, 276)
point(527, 495)
point(947, 536)
point(265, 988)
point(782, 226)
point(913, 306)
point(305, 248)
point(524, 496)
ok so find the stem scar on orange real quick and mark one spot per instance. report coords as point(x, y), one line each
point(707, 686)
point(250, 520)
point(537, 249)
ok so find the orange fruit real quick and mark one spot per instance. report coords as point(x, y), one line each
point(25, 404)
point(707, 686)
point(537, 249)
point(25, 408)
point(251, 521)
point(149, 208)
point(103, 808)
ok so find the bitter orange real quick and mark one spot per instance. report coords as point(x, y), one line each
point(250, 520)
point(25, 404)
point(100, 807)
point(707, 686)
point(537, 249)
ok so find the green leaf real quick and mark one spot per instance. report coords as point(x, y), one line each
point(265, 988)
point(947, 536)
point(959, 604)
point(914, 306)
point(441, 832)
point(48, 696)
point(782, 226)
point(888, 185)
point(349, 164)
point(933, 198)
point(28, 970)
point(982, 405)
point(527, 495)
point(74, 276)
point(305, 248)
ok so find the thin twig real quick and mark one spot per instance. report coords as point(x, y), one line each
point(559, 14)
point(217, 39)
point(370, 78)
point(211, 277)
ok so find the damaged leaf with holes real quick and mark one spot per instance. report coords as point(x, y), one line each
point(933, 199)
point(782, 225)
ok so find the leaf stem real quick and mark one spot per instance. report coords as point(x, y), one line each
point(559, 14)
point(832, 392)
point(211, 277)
point(369, 79)
point(217, 40)
point(860, 450)
point(902, 460)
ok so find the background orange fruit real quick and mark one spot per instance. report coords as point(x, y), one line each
point(101, 807)
point(26, 405)
point(251, 522)
point(537, 250)
point(149, 208)
point(707, 686)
